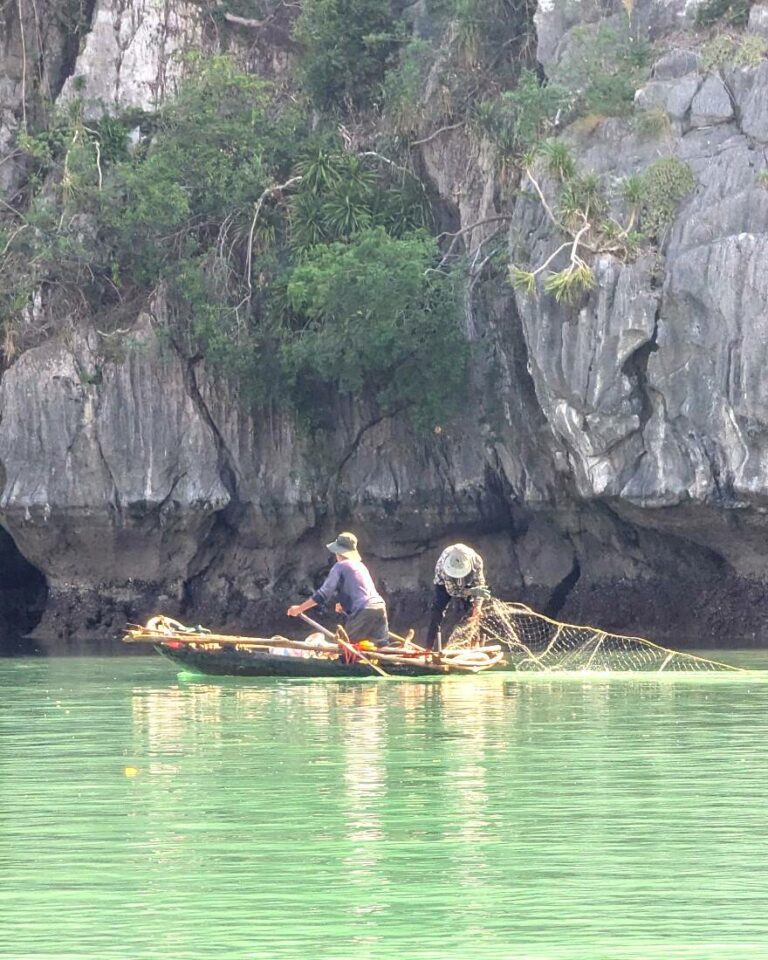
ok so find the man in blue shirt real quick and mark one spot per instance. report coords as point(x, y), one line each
point(351, 583)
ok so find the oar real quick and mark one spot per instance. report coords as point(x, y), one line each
point(343, 643)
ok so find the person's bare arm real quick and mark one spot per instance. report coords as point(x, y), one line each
point(298, 608)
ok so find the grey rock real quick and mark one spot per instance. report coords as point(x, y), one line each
point(748, 86)
point(728, 199)
point(660, 18)
point(126, 491)
point(758, 20)
point(23, 91)
point(582, 369)
point(132, 56)
point(710, 366)
point(673, 96)
point(555, 20)
point(676, 440)
point(712, 104)
point(675, 64)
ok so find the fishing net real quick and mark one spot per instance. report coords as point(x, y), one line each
point(535, 642)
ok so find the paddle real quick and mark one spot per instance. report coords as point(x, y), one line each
point(343, 643)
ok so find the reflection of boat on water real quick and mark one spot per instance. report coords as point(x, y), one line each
point(331, 655)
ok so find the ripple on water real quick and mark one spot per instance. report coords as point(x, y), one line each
point(536, 818)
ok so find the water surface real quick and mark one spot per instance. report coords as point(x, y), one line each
point(494, 817)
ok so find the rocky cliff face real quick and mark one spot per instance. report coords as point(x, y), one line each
point(613, 466)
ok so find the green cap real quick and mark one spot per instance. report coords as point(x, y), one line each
point(345, 545)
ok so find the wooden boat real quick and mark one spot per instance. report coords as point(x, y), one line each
point(323, 654)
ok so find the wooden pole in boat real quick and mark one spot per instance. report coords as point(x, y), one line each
point(343, 643)
point(318, 626)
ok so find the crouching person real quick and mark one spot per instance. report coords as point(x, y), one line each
point(459, 576)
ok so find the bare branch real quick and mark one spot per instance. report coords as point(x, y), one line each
point(544, 203)
point(246, 21)
point(477, 251)
point(391, 163)
point(577, 240)
point(120, 332)
point(23, 68)
point(460, 233)
point(270, 191)
point(14, 211)
point(450, 126)
point(550, 258)
point(98, 162)
point(12, 238)
point(471, 226)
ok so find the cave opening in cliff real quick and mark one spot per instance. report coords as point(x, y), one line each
point(23, 596)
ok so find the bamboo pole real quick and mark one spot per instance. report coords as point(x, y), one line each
point(472, 659)
point(153, 636)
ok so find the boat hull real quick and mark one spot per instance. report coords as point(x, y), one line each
point(260, 663)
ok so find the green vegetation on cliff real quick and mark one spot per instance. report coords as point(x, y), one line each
point(288, 226)
point(347, 47)
point(587, 221)
point(286, 261)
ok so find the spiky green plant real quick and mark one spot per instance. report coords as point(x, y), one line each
point(321, 170)
point(558, 160)
point(524, 280)
point(632, 190)
point(570, 284)
point(581, 200)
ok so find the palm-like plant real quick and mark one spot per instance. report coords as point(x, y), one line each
point(320, 171)
point(345, 214)
point(308, 225)
point(558, 160)
point(568, 285)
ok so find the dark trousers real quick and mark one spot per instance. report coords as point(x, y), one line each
point(370, 623)
point(440, 602)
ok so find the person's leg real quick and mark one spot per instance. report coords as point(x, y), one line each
point(440, 602)
point(370, 623)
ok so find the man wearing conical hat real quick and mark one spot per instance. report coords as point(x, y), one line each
point(459, 576)
point(351, 583)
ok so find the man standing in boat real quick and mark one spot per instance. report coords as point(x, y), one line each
point(351, 582)
point(459, 575)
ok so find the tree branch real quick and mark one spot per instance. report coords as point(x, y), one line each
point(246, 21)
point(23, 68)
point(391, 163)
point(543, 200)
point(276, 188)
point(450, 126)
point(468, 229)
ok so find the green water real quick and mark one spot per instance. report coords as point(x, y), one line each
point(145, 816)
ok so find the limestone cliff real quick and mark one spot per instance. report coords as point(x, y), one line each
point(612, 467)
